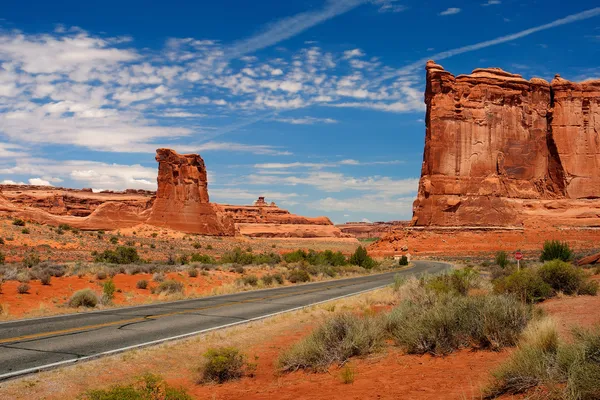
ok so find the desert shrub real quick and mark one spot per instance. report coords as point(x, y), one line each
point(192, 272)
point(298, 275)
point(459, 281)
point(209, 247)
point(158, 277)
point(277, 277)
point(554, 249)
point(266, 258)
point(31, 259)
point(225, 364)
point(403, 260)
point(362, 259)
point(64, 227)
point(203, 258)
point(114, 240)
point(267, 280)
point(120, 255)
point(149, 387)
point(295, 256)
point(25, 231)
point(197, 245)
point(502, 259)
point(18, 222)
point(101, 275)
point(336, 340)
point(526, 284)
point(238, 269)
point(23, 288)
point(141, 284)
point(347, 374)
point(443, 323)
point(588, 287)
point(45, 278)
point(2, 258)
point(250, 280)
point(169, 287)
point(183, 259)
point(313, 257)
point(83, 298)
point(562, 276)
point(569, 370)
point(55, 270)
point(108, 291)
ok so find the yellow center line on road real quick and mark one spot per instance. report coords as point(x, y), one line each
point(158, 316)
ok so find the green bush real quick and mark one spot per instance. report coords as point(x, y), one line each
point(114, 240)
point(562, 276)
point(238, 256)
point(84, 298)
point(224, 364)
point(169, 287)
point(183, 259)
point(313, 257)
point(18, 222)
point(197, 245)
point(444, 323)
point(335, 341)
point(568, 370)
point(64, 227)
point(556, 250)
point(31, 259)
point(149, 387)
point(267, 280)
point(502, 259)
point(278, 278)
point(202, 258)
point(298, 276)
point(403, 260)
point(25, 231)
point(108, 291)
point(362, 259)
point(526, 284)
point(209, 247)
point(120, 255)
point(141, 284)
point(459, 281)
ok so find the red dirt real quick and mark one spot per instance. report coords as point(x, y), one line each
point(52, 298)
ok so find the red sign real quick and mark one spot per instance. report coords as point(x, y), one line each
point(518, 255)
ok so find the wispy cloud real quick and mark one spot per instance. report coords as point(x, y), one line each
point(286, 28)
point(388, 6)
point(491, 3)
point(450, 11)
point(306, 120)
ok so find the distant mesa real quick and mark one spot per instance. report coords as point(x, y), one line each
point(181, 202)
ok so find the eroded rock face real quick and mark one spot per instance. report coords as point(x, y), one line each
point(495, 140)
point(182, 201)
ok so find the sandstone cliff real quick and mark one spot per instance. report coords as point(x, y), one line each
point(504, 151)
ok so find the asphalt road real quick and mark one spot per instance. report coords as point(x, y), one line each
point(32, 345)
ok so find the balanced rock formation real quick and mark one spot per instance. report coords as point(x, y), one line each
point(504, 151)
point(182, 201)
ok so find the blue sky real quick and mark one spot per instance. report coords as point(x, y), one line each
point(317, 105)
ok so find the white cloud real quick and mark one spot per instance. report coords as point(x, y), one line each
point(306, 120)
point(450, 11)
point(366, 220)
point(398, 207)
point(491, 3)
point(11, 182)
point(388, 6)
point(286, 28)
point(353, 53)
point(39, 182)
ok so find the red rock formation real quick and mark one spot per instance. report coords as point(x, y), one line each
point(504, 151)
point(182, 201)
point(365, 230)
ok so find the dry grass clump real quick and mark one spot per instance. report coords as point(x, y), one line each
point(148, 387)
point(84, 298)
point(569, 371)
point(169, 287)
point(336, 340)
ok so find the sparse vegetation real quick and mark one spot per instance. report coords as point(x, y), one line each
point(149, 387)
point(249, 280)
point(25, 231)
point(564, 370)
point(336, 340)
point(84, 298)
point(202, 258)
point(31, 259)
point(298, 276)
point(114, 240)
point(18, 222)
point(45, 278)
point(556, 250)
point(169, 287)
point(108, 292)
point(225, 364)
point(192, 272)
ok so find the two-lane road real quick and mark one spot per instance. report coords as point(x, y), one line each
point(32, 345)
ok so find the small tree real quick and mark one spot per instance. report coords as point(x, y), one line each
point(361, 258)
point(403, 260)
point(502, 259)
point(108, 291)
point(554, 249)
